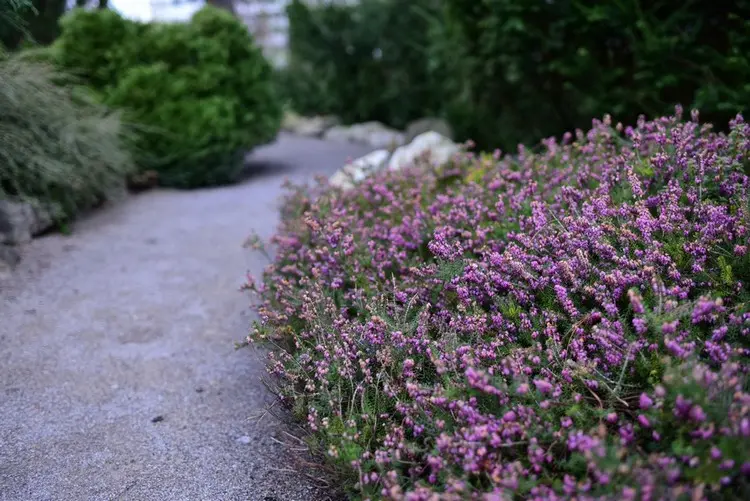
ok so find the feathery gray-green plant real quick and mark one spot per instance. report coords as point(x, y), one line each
point(56, 144)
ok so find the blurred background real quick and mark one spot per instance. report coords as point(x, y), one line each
point(500, 71)
point(193, 85)
point(504, 72)
point(266, 19)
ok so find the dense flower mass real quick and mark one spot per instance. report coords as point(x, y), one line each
point(571, 323)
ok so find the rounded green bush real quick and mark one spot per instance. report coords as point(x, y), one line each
point(201, 92)
point(94, 44)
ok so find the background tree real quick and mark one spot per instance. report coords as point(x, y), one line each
point(12, 15)
point(40, 19)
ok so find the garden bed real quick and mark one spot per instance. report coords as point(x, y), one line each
point(567, 323)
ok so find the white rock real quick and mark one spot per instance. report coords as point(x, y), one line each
point(438, 149)
point(427, 124)
point(244, 440)
point(359, 169)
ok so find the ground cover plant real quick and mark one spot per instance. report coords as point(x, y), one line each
point(564, 323)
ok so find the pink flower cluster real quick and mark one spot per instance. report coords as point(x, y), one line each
point(567, 324)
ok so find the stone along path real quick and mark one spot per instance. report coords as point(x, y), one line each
point(118, 373)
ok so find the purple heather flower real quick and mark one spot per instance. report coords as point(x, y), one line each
point(636, 302)
point(640, 324)
point(528, 280)
point(697, 414)
point(645, 401)
point(727, 464)
point(670, 327)
point(628, 493)
point(745, 427)
point(707, 310)
point(682, 407)
point(543, 386)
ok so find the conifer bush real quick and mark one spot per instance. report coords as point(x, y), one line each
point(201, 92)
point(570, 323)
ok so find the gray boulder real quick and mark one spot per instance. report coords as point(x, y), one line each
point(9, 258)
point(428, 124)
point(21, 220)
point(117, 192)
point(374, 134)
point(308, 126)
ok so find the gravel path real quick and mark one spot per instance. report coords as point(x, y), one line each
point(118, 374)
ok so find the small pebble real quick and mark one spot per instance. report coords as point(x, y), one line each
point(244, 439)
point(157, 419)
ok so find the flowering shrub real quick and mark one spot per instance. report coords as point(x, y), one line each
point(572, 323)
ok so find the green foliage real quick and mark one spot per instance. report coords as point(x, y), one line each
point(361, 62)
point(306, 90)
point(202, 90)
point(98, 45)
point(37, 18)
point(12, 22)
point(11, 12)
point(533, 68)
point(510, 71)
point(56, 146)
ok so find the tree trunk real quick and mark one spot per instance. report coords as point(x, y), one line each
point(223, 4)
point(43, 26)
point(103, 4)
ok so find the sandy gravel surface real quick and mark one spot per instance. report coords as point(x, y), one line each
point(118, 374)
